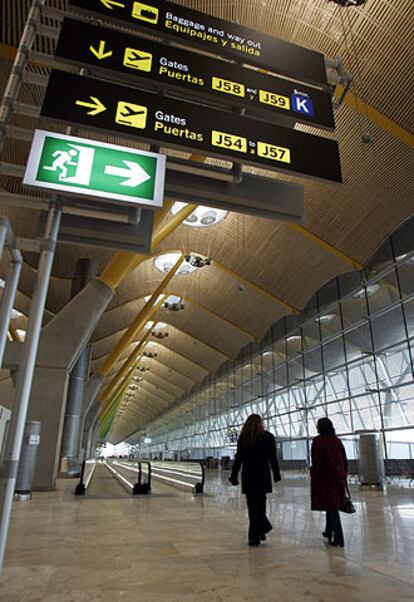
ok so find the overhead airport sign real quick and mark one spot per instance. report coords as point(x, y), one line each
point(150, 62)
point(214, 35)
point(188, 126)
point(94, 169)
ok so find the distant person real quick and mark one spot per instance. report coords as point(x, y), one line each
point(328, 477)
point(256, 456)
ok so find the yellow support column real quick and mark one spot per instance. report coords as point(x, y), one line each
point(126, 366)
point(255, 287)
point(122, 386)
point(123, 263)
point(326, 246)
point(139, 321)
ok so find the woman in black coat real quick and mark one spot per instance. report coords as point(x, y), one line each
point(256, 455)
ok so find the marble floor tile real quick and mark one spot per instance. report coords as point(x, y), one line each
point(176, 547)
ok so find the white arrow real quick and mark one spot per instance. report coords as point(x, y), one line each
point(133, 172)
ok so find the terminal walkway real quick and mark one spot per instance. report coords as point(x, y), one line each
point(184, 548)
point(104, 485)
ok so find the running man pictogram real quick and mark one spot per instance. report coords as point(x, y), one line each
point(63, 160)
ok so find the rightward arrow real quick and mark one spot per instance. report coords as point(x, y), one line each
point(100, 53)
point(133, 172)
point(111, 3)
point(96, 105)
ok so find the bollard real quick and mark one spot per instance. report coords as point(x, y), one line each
point(27, 464)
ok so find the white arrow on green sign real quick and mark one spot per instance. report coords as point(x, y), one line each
point(95, 169)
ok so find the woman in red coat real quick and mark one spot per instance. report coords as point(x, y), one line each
point(328, 477)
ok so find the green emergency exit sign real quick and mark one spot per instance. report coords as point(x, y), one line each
point(84, 167)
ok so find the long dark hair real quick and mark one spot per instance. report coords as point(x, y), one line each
point(325, 426)
point(252, 429)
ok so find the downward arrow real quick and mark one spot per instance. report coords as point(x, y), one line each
point(133, 172)
point(100, 53)
point(111, 3)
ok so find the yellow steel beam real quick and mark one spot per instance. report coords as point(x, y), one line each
point(130, 335)
point(142, 318)
point(226, 355)
point(14, 334)
point(255, 287)
point(116, 401)
point(124, 370)
point(123, 263)
point(326, 246)
point(376, 117)
point(121, 389)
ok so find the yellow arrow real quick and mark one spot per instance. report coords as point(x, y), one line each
point(111, 3)
point(96, 105)
point(101, 54)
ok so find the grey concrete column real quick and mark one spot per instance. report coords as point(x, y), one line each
point(62, 341)
point(69, 454)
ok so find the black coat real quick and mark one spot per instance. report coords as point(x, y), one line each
point(256, 461)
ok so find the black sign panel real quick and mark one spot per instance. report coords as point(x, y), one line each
point(184, 125)
point(143, 60)
point(215, 35)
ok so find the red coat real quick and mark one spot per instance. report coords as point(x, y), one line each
point(328, 473)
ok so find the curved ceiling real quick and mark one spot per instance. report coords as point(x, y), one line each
point(261, 269)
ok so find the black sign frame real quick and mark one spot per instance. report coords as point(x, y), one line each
point(210, 33)
point(144, 61)
point(190, 127)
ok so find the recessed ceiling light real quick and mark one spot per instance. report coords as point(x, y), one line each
point(201, 217)
point(325, 318)
point(167, 261)
point(371, 289)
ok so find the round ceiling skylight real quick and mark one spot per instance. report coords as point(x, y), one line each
point(171, 299)
point(167, 261)
point(202, 217)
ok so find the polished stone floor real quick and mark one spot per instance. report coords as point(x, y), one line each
point(172, 547)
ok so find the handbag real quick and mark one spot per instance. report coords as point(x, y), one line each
point(348, 507)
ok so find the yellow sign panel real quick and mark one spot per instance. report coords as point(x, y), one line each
point(138, 59)
point(229, 141)
point(274, 100)
point(131, 115)
point(145, 12)
point(227, 86)
point(277, 153)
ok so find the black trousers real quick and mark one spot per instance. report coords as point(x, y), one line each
point(334, 527)
point(259, 524)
